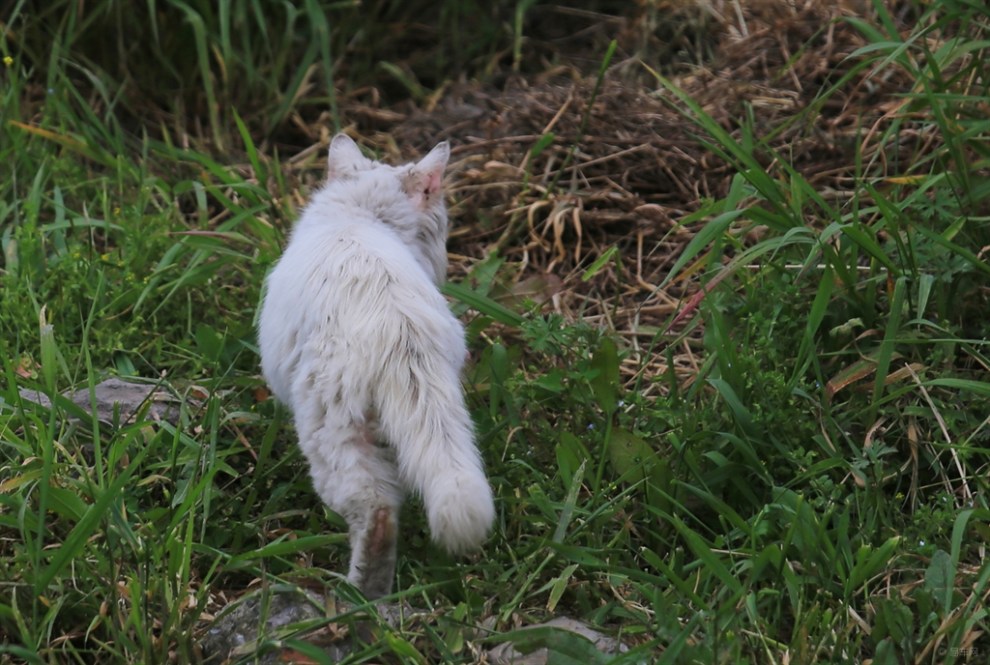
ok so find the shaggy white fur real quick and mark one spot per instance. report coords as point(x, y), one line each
point(357, 340)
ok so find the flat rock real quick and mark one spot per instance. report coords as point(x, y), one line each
point(506, 653)
point(244, 626)
point(118, 401)
point(242, 629)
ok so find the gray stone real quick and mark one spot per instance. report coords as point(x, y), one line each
point(118, 400)
point(506, 653)
point(235, 633)
point(243, 629)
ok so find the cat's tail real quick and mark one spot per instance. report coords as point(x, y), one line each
point(422, 413)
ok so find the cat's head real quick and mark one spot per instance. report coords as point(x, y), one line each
point(421, 181)
point(408, 198)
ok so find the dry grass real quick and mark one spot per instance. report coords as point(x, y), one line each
point(638, 167)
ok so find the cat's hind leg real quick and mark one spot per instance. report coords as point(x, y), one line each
point(358, 479)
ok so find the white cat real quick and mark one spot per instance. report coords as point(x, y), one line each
point(356, 338)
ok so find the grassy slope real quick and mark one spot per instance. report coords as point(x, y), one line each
point(816, 493)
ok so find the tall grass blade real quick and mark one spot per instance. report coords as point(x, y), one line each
point(76, 540)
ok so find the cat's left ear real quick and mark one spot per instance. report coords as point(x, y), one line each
point(345, 156)
point(424, 180)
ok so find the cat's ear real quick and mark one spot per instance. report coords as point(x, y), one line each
point(424, 180)
point(345, 156)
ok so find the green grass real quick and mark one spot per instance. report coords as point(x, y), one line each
point(815, 493)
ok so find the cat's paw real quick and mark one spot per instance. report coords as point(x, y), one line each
point(460, 510)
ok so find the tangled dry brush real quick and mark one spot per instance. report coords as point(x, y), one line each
point(553, 170)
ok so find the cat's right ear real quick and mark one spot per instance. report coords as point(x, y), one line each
point(345, 156)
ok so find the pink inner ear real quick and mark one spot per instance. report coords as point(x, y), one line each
point(421, 186)
point(432, 180)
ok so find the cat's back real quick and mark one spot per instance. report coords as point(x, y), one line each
point(339, 275)
point(334, 248)
point(361, 268)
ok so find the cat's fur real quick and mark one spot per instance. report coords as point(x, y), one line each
point(356, 338)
